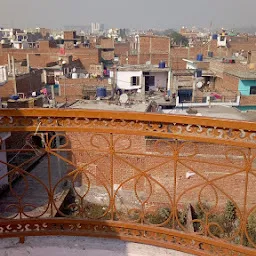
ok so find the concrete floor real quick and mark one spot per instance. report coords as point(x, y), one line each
point(79, 246)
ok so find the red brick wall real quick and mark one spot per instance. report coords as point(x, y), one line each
point(248, 100)
point(87, 56)
point(132, 59)
point(29, 83)
point(69, 35)
point(159, 45)
point(72, 89)
point(122, 48)
point(227, 84)
point(144, 45)
point(156, 58)
point(107, 55)
point(44, 46)
point(25, 84)
point(107, 43)
point(7, 89)
point(42, 59)
point(218, 67)
point(246, 46)
point(203, 65)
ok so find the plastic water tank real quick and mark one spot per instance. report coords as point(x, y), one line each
point(198, 73)
point(162, 64)
point(200, 57)
point(74, 75)
point(14, 97)
point(214, 36)
point(101, 92)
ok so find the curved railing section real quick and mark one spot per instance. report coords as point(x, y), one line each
point(185, 183)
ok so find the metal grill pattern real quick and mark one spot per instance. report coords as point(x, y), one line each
point(186, 183)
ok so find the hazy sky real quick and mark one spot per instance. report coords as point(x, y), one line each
point(128, 13)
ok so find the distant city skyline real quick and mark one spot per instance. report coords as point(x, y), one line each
point(142, 14)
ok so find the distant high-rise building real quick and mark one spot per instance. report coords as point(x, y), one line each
point(96, 28)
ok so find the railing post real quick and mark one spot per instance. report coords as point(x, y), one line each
point(22, 239)
point(112, 174)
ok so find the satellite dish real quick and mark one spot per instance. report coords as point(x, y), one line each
point(123, 98)
point(199, 85)
point(74, 70)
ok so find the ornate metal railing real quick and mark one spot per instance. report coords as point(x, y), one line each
point(186, 183)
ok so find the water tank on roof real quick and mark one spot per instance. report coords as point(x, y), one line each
point(74, 75)
point(162, 64)
point(14, 97)
point(101, 92)
point(214, 36)
point(200, 57)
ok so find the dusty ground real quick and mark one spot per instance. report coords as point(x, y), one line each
point(79, 246)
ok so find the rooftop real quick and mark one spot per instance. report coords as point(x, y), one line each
point(55, 67)
point(155, 36)
point(143, 67)
point(216, 112)
point(78, 246)
point(197, 61)
point(190, 72)
point(243, 75)
point(103, 105)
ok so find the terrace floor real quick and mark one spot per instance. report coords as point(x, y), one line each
point(79, 246)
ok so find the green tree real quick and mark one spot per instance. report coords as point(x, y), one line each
point(178, 39)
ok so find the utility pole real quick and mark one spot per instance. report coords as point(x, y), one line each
point(53, 95)
point(14, 76)
point(169, 85)
point(28, 64)
point(114, 81)
point(9, 64)
point(150, 50)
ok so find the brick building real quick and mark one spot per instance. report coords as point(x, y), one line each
point(106, 46)
point(146, 48)
point(23, 85)
point(73, 89)
point(48, 52)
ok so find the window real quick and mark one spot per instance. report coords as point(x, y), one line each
point(135, 80)
point(253, 90)
point(222, 38)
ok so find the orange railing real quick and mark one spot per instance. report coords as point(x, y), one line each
point(186, 183)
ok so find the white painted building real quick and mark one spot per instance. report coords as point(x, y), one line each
point(148, 77)
point(8, 33)
point(3, 157)
point(96, 28)
point(222, 40)
point(21, 45)
point(3, 75)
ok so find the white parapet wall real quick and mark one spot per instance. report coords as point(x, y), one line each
point(208, 103)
